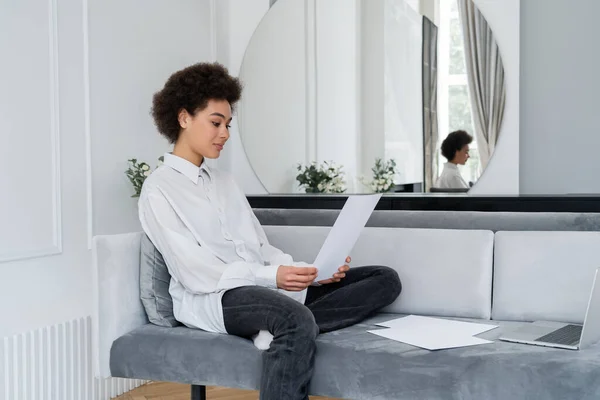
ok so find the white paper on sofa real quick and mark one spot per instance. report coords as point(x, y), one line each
point(429, 341)
point(433, 333)
point(431, 324)
point(344, 234)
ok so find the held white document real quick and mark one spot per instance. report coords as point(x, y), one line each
point(344, 234)
point(433, 333)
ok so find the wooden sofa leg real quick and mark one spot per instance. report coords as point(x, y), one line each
point(198, 392)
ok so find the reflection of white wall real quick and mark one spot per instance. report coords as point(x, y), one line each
point(273, 117)
point(403, 110)
point(391, 98)
point(337, 84)
point(300, 101)
point(502, 173)
point(372, 123)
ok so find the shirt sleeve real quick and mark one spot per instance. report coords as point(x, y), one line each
point(194, 266)
point(271, 254)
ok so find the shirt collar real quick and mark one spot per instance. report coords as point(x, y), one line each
point(451, 165)
point(185, 167)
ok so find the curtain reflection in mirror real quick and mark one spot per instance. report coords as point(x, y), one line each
point(485, 72)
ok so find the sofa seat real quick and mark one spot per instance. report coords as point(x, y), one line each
point(354, 364)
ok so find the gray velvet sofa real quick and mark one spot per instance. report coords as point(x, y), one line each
point(507, 268)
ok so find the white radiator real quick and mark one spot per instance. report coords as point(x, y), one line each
point(55, 363)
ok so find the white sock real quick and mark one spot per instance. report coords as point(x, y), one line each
point(262, 340)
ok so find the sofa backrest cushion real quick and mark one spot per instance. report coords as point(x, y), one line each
point(443, 272)
point(117, 305)
point(154, 285)
point(544, 275)
point(431, 219)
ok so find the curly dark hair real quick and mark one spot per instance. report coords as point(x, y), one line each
point(454, 142)
point(191, 88)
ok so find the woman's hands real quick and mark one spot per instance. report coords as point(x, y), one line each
point(295, 279)
point(338, 276)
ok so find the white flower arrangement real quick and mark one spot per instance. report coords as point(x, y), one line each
point(383, 176)
point(138, 172)
point(323, 178)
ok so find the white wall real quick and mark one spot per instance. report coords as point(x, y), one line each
point(44, 79)
point(42, 166)
point(132, 53)
point(559, 97)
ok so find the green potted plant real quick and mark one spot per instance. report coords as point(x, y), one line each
point(137, 172)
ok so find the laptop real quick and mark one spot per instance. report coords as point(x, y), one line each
point(562, 335)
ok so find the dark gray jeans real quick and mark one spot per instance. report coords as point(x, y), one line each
point(288, 363)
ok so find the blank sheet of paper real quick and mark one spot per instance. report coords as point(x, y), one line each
point(421, 324)
point(344, 234)
point(431, 340)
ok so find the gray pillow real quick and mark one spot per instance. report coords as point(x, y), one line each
point(154, 286)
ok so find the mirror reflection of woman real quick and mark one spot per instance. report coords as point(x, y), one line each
point(455, 148)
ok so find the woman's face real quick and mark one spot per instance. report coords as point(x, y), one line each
point(462, 155)
point(206, 132)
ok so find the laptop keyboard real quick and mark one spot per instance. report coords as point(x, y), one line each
point(568, 335)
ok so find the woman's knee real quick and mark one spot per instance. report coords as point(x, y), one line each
point(390, 280)
point(301, 324)
point(250, 309)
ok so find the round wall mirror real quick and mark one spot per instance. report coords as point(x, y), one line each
point(385, 96)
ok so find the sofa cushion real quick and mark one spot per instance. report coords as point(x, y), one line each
point(444, 272)
point(354, 364)
point(117, 305)
point(544, 275)
point(154, 285)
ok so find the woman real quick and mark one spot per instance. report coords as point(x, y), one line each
point(455, 148)
point(225, 276)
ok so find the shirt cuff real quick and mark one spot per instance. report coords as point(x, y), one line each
point(281, 259)
point(301, 264)
point(267, 276)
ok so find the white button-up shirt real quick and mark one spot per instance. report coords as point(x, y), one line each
point(450, 178)
point(211, 241)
